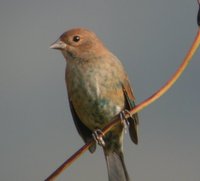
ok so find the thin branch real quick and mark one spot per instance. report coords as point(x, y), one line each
point(68, 162)
point(137, 108)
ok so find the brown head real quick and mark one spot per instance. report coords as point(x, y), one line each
point(79, 43)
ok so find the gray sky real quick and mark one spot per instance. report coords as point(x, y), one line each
point(150, 37)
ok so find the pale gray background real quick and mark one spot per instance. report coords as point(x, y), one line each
point(151, 37)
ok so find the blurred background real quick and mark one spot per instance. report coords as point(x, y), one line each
point(151, 38)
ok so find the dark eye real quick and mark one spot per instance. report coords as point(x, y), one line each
point(76, 38)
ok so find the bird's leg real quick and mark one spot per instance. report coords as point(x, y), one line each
point(98, 137)
point(124, 120)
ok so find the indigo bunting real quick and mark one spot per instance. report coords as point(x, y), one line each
point(98, 90)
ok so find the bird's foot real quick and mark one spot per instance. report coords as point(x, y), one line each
point(124, 120)
point(98, 137)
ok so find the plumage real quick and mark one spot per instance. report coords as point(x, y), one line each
point(98, 90)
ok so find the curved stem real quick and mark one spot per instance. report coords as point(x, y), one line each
point(137, 108)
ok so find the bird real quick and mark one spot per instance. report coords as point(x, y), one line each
point(98, 90)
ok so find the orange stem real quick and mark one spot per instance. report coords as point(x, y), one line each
point(137, 108)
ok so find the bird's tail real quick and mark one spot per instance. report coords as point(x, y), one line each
point(116, 166)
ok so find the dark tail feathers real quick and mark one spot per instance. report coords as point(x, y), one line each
point(116, 167)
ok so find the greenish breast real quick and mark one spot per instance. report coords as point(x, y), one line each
point(92, 90)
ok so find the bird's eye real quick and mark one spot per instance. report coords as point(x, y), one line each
point(76, 38)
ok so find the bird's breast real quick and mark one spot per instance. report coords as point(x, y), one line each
point(96, 94)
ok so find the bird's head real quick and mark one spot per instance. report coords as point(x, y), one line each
point(79, 43)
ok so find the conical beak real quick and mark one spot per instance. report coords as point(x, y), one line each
point(59, 45)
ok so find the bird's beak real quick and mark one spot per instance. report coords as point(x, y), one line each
point(59, 45)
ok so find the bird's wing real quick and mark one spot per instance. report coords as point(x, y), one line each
point(83, 131)
point(130, 104)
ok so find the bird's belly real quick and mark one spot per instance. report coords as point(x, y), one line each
point(95, 112)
